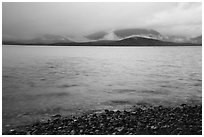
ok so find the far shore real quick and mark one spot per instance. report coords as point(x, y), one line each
point(53, 45)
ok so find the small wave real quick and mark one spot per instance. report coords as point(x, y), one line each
point(67, 85)
point(8, 76)
point(119, 102)
point(197, 84)
point(154, 92)
point(57, 94)
point(125, 90)
point(168, 86)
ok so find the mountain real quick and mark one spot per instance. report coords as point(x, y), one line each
point(49, 39)
point(131, 41)
point(197, 40)
point(124, 33)
point(148, 33)
point(121, 37)
point(141, 41)
point(120, 34)
point(40, 40)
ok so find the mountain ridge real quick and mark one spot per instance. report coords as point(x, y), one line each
point(146, 33)
point(125, 37)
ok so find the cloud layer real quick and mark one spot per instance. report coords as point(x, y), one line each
point(25, 20)
point(183, 19)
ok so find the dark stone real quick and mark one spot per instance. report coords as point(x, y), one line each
point(56, 116)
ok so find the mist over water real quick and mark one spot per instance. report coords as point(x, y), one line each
point(41, 81)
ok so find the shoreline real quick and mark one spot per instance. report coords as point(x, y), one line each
point(184, 119)
point(50, 45)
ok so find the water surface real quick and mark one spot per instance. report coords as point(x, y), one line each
point(41, 81)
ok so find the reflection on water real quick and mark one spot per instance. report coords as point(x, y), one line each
point(41, 81)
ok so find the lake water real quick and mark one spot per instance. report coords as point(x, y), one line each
point(41, 81)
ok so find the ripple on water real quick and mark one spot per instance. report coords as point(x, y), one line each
point(198, 84)
point(8, 76)
point(67, 85)
point(169, 86)
point(56, 94)
point(124, 90)
point(132, 91)
point(119, 102)
point(157, 92)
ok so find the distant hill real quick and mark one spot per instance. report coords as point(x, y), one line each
point(146, 33)
point(122, 37)
point(132, 41)
point(197, 40)
point(41, 40)
point(49, 39)
point(141, 41)
point(124, 33)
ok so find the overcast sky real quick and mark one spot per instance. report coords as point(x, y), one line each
point(25, 20)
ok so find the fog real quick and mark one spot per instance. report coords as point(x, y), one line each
point(26, 20)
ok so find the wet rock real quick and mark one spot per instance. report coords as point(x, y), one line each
point(56, 116)
point(28, 133)
point(106, 111)
point(72, 132)
point(119, 129)
point(153, 127)
point(13, 131)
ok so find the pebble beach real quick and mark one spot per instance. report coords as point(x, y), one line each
point(184, 119)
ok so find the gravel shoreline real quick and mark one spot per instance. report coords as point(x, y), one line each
point(145, 120)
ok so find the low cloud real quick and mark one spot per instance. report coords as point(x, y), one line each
point(183, 19)
point(25, 20)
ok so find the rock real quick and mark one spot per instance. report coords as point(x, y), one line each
point(200, 132)
point(183, 105)
point(59, 128)
point(43, 121)
point(56, 116)
point(72, 132)
point(106, 111)
point(13, 131)
point(119, 129)
point(153, 127)
point(101, 125)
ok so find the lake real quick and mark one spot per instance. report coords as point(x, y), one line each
point(41, 81)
